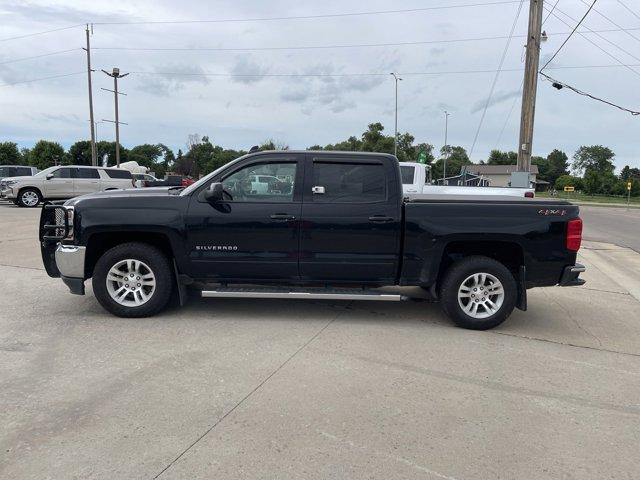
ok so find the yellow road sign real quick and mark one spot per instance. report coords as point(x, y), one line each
point(628, 185)
point(569, 189)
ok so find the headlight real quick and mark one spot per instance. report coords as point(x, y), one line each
point(70, 216)
point(8, 183)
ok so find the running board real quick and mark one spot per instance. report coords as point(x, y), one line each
point(303, 294)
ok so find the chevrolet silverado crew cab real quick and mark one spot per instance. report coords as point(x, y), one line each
point(63, 182)
point(327, 225)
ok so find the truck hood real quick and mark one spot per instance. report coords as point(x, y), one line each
point(18, 179)
point(137, 193)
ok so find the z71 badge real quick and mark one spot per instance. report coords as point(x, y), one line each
point(551, 211)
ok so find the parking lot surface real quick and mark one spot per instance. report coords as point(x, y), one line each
point(291, 389)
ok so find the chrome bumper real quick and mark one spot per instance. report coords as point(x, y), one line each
point(70, 260)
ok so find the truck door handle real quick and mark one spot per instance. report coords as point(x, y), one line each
point(282, 217)
point(380, 219)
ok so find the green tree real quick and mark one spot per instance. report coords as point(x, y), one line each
point(457, 157)
point(543, 168)
point(568, 181)
point(9, 154)
point(79, 153)
point(496, 157)
point(45, 154)
point(599, 182)
point(629, 172)
point(593, 158)
point(557, 165)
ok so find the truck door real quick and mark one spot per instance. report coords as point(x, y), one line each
point(351, 219)
point(87, 181)
point(59, 183)
point(253, 234)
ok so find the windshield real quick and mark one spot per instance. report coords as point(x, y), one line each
point(194, 186)
point(45, 172)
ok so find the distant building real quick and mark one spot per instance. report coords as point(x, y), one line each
point(499, 175)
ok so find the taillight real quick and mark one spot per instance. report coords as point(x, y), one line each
point(574, 234)
point(529, 194)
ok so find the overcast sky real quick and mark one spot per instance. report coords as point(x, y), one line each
point(241, 111)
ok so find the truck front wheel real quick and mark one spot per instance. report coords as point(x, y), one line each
point(133, 280)
point(478, 293)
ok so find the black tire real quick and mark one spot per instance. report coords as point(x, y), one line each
point(156, 261)
point(30, 192)
point(456, 276)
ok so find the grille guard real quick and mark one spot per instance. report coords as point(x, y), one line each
point(54, 223)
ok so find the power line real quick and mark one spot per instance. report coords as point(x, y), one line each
point(331, 46)
point(308, 17)
point(40, 56)
point(361, 74)
point(559, 85)
point(609, 54)
point(629, 9)
point(615, 45)
point(41, 78)
point(495, 78)
point(612, 22)
point(570, 35)
point(40, 33)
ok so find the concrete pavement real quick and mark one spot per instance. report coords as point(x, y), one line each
point(612, 225)
point(288, 389)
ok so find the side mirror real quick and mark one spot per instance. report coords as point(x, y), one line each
point(49, 176)
point(214, 192)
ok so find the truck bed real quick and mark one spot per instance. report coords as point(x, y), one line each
point(492, 199)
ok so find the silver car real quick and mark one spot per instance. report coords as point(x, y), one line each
point(62, 182)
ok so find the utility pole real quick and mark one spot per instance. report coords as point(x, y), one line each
point(446, 148)
point(395, 136)
point(115, 74)
point(530, 85)
point(94, 158)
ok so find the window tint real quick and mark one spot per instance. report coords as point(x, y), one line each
point(23, 171)
point(7, 172)
point(63, 173)
point(264, 182)
point(349, 182)
point(87, 173)
point(118, 173)
point(407, 174)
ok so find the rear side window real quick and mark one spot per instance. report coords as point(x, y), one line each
point(349, 182)
point(87, 173)
point(118, 173)
point(23, 171)
point(7, 172)
point(407, 174)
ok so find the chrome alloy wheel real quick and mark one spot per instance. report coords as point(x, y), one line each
point(30, 198)
point(131, 283)
point(480, 295)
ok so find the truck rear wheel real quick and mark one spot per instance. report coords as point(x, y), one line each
point(133, 280)
point(478, 293)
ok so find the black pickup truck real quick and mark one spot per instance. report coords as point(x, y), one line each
point(303, 224)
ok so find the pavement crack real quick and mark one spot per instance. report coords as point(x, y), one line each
point(248, 395)
point(21, 266)
point(568, 344)
point(573, 319)
point(602, 291)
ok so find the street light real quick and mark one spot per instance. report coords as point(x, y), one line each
point(395, 137)
point(446, 149)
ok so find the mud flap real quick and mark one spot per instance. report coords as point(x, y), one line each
point(521, 303)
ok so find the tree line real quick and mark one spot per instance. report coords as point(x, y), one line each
point(591, 170)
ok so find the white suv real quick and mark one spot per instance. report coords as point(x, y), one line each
point(61, 182)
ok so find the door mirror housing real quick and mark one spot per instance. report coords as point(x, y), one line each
point(49, 176)
point(214, 193)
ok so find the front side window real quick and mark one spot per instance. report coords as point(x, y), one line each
point(349, 182)
point(63, 173)
point(264, 182)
